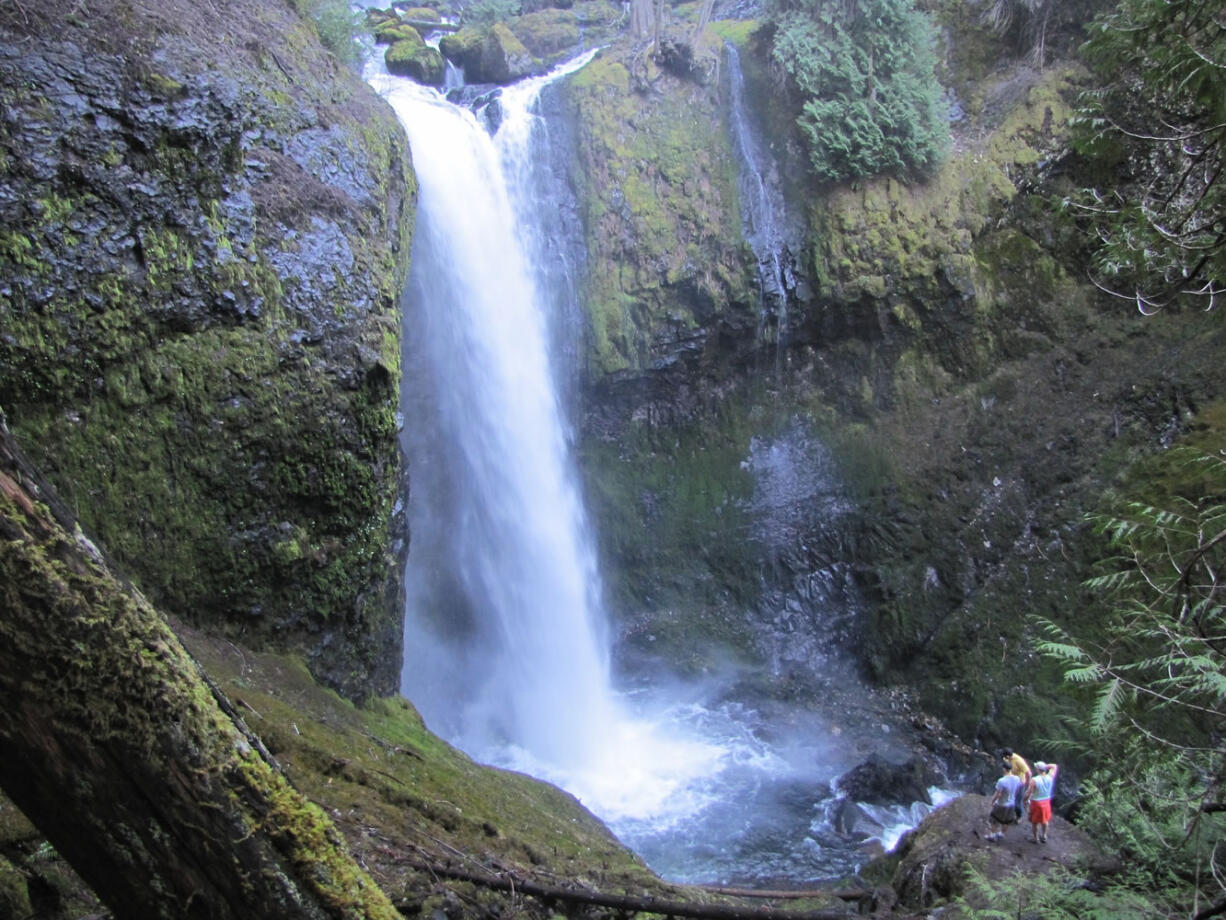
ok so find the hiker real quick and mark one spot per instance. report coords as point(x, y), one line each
point(1003, 805)
point(1019, 768)
point(1039, 793)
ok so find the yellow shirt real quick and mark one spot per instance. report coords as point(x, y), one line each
point(1019, 768)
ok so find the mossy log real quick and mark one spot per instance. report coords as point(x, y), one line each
point(633, 904)
point(118, 748)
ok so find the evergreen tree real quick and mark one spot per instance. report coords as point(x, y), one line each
point(1159, 123)
point(864, 71)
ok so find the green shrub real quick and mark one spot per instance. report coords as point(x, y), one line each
point(864, 74)
point(337, 25)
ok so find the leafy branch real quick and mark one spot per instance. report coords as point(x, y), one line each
point(1161, 236)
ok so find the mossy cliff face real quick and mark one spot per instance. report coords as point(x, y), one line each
point(205, 239)
point(966, 393)
point(657, 179)
point(956, 341)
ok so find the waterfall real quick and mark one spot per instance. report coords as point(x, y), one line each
point(762, 209)
point(506, 652)
point(502, 570)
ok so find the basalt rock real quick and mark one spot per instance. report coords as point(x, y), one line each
point(490, 55)
point(972, 396)
point(930, 864)
point(205, 237)
point(413, 58)
point(879, 781)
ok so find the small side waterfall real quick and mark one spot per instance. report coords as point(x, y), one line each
point(763, 211)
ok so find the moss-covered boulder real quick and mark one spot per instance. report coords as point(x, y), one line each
point(548, 32)
point(490, 54)
point(393, 31)
point(412, 57)
point(205, 240)
point(420, 14)
point(463, 49)
point(504, 58)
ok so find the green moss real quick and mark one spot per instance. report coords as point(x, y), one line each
point(547, 32)
point(396, 32)
point(670, 508)
point(166, 254)
point(396, 788)
point(459, 46)
point(14, 893)
point(165, 86)
point(312, 845)
point(661, 211)
point(161, 390)
point(736, 31)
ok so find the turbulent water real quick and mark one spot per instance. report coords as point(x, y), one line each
point(506, 653)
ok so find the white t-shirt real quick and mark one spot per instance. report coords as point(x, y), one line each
point(1008, 785)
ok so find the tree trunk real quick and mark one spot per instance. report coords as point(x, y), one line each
point(120, 751)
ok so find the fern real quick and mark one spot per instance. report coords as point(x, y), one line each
point(1108, 705)
point(1157, 679)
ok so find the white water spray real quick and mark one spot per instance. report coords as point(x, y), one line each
point(762, 206)
point(514, 531)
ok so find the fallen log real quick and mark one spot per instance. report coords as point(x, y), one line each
point(629, 903)
point(425, 26)
point(843, 894)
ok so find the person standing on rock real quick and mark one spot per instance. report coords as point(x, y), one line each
point(1018, 767)
point(1003, 811)
point(1039, 793)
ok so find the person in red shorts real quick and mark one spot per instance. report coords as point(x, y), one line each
point(1039, 793)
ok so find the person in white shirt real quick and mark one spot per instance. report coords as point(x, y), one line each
point(1039, 793)
point(1004, 801)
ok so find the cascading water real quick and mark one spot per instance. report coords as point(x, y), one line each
point(762, 208)
point(508, 546)
point(506, 654)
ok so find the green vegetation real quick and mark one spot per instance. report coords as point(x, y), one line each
point(1158, 126)
point(338, 27)
point(864, 72)
point(1158, 676)
point(1059, 895)
point(488, 12)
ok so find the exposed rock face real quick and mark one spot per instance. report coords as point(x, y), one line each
point(205, 236)
point(669, 270)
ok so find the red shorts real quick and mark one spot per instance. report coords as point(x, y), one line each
point(1040, 812)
